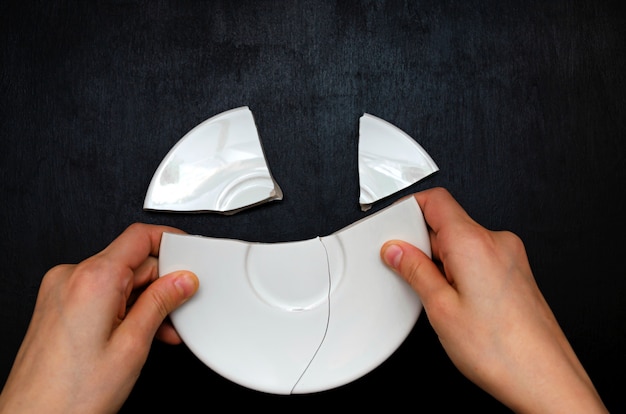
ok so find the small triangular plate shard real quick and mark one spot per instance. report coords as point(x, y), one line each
point(218, 166)
point(389, 160)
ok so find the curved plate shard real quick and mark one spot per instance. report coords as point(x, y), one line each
point(389, 160)
point(218, 166)
point(300, 316)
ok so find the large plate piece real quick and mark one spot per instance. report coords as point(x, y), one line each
point(298, 317)
point(389, 160)
point(218, 166)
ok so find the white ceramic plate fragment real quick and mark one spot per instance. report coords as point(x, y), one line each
point(218, 166)
point(389, 160)
point(298, 317)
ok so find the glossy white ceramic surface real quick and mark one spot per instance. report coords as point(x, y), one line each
point(218, 166)
point(298, 317)
point(389, 160)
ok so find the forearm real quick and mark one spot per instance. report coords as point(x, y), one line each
point(548, 382)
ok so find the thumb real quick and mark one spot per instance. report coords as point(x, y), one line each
point(156, 302)
point(416, 268)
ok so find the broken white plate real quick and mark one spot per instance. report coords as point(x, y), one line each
point(217, 166)
point(389, 160)
point(298, 317)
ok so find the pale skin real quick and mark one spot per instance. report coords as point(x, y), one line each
point(94, 323)
point(91, 330)
point(480, 296)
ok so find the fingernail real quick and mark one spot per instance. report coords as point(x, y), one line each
point(186, 283)
point(392, 255)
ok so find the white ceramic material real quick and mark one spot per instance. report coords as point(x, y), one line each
point(217, 166)
point(298, 317)
point(389, 160)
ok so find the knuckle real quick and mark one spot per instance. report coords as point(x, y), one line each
point(512, 241)
point(440, 191)
point(136, 227)
point(98, 268)
point(56, 275)
point(513, 244)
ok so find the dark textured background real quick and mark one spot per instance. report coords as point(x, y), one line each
point(521, 104)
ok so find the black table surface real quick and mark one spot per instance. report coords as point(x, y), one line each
point(521, 104)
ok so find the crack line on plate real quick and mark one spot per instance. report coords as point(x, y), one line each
point(327, 319)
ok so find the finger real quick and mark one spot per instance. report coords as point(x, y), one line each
point(155, 303)
point(146, 272)
point(417, 269)
point(167, 333)
point(136, 243)
point(440, 209)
